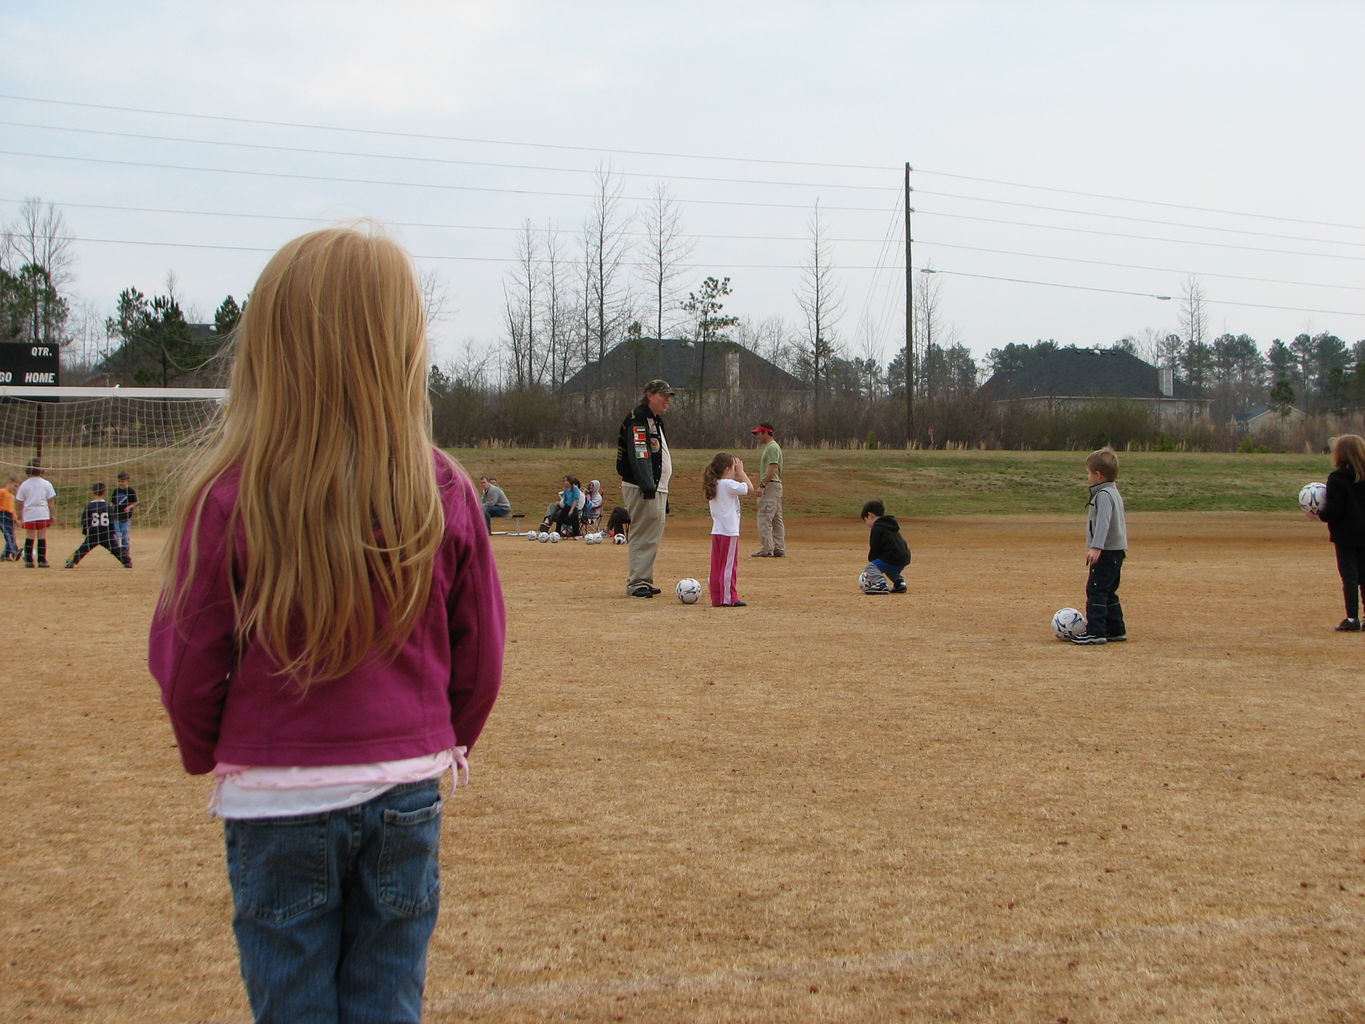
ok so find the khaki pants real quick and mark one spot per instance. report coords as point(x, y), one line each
point(646, 531)
point(772, 532)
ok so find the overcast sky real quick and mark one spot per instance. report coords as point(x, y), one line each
point(1071, 160)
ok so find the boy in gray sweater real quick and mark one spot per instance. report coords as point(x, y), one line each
point(1106, 541)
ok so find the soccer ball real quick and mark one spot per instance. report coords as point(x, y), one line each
point(871, 581)
point(555, 538)
point(543, 537)
point(620, 538)
point(1068, 622)
point(688, 590)
point(591, 538)
point(1312, 497)
point(533, 535)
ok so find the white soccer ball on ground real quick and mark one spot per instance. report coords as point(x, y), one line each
point(543, 537)
point(688, 590)
point(555, 538)
point(1312, 497)
point(873, 581)
point(1068, 622)
point(533, 535)
point(620, 538)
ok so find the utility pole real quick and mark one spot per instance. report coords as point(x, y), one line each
point(909, 323)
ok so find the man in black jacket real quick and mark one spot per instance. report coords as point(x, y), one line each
point(645, 466)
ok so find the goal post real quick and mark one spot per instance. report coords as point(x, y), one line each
point(84, 435)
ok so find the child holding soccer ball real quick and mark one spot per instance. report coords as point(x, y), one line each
point(723, 481)
point(1106, 543)
point(1344, 514)
point(329, 659)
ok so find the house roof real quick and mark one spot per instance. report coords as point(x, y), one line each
point(1256, 412)
point(1083, 373)
point(633, 363)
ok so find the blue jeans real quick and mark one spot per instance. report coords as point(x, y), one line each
point(892, 572)
point(333, 912)
point(7, 532)
point(490, 513)
point(123, 532)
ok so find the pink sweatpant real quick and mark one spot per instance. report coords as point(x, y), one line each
point(724, 570)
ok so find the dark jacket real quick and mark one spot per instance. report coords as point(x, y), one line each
point(97, 520)
point(885, 543)
point(640, 450)
point(1344, 509)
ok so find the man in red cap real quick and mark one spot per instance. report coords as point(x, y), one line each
point(772, 533)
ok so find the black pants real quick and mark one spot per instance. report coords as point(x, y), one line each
point(91, 542)
point(1103, 613)
point(1351, 565)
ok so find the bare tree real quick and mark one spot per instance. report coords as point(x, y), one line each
point(555, 310)
point(821, 304)
point(665, 250)
point(37, 255)
point(928, 328)
point(1197, 357)
point(604, 250)
point(519, 310)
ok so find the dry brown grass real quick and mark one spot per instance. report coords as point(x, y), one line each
point(824, 807)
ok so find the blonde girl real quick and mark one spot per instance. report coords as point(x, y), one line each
point(1344, 514)
point(723, 481)
point(329, 636)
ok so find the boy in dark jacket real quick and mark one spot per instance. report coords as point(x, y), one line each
point(98, 523)
point(887, 551)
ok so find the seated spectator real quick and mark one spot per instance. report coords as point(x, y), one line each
point(495, 503)
point(562, 515)
point(592, 503)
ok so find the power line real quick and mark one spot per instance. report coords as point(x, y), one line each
point(882, 259)
point(1147, 295)
point(445, 161)
point(445, 138)
point(1147, 202)
point(431, 137)
point(441, 186)
point(1139, 220)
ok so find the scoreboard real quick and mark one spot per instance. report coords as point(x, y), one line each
point(28, 365)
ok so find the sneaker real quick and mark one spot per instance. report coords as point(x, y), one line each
point(1117, 639)
point(735, 604)
point(44, 565)
point(1348, 626)
point(655, 590)
point(899, 588)
point(762, 554)
point(779, 554)
point(642, 592)
point(1085, 639)
point(28, 564)
point(69, 564)
point(128, 564)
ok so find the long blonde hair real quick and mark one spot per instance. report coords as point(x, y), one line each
point(329, 422)
point(1349, 449)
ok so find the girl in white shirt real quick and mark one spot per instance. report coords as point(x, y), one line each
point(723, 481)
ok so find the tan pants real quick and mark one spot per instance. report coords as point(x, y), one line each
point(646, 531)
point(772, 532)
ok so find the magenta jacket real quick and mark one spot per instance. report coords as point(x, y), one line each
point(229, 705)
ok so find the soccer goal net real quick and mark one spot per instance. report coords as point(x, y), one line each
point(86, 435)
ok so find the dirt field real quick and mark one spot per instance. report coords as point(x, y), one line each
point(823, 807)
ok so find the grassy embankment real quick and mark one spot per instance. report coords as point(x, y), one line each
point(937, 483)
